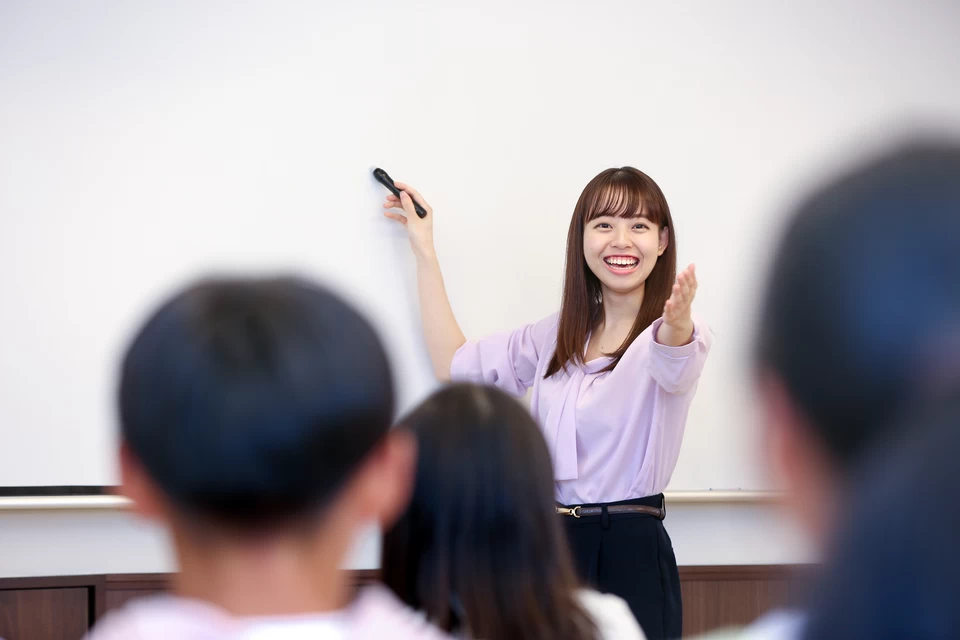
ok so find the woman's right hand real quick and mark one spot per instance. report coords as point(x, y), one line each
point(420, 231)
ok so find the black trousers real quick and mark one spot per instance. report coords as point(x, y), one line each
point(630, 555)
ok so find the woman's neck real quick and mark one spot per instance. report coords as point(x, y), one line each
point(621, 309)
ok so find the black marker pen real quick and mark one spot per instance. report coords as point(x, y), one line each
point(387, 181)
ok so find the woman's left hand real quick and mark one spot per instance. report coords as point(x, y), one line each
point(677, 319)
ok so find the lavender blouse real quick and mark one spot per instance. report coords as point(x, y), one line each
point(612, 436)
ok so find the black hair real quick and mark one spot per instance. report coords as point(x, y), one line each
point(481, 550)
point(864, 296)
point(251, 401)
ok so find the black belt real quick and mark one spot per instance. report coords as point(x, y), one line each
point(579, 512)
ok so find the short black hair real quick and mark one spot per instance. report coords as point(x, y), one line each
point(864, 296)
point(251, 401)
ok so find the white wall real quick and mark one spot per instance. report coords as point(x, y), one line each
point(44, 543)
point(145, 142)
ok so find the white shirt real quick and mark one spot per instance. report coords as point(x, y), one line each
point(613, 617)
point(375, 614)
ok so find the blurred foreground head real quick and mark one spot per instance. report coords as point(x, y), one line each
point(250, 405)
point(895, 570)
point(861, 318)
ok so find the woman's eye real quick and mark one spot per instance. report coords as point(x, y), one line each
point(640, 225)
point(603, 225)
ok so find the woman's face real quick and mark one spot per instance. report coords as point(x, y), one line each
point(622, 252)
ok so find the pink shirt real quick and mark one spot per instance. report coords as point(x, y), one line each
point(613, 436)
point(375, 614)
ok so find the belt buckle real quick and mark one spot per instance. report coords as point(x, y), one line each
point(569, 511)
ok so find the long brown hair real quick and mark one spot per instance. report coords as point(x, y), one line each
point(624, 193)
point(480, 550)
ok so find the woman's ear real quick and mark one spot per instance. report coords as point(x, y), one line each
point(664, 240)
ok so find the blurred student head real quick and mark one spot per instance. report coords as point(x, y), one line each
point(895, 569)
point(860, 312)
point(255, 410)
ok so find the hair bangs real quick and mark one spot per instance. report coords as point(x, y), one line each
point(624, 195)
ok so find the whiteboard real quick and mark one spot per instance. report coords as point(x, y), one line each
point(144, 143)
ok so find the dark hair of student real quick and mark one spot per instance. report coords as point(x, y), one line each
point(865, 293)
point(250, 402)
point(480, 549)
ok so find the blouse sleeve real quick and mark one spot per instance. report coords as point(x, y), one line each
point(508, 360)
point(677, 369)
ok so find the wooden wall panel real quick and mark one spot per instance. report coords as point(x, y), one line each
point(717, 597)
point(121, 588)
point(44, 614)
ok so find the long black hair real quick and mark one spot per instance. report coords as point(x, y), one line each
point(480, 549)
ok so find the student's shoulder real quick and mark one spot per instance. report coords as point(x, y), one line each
point(157, 617)
point(378, 613)
point(611, 614)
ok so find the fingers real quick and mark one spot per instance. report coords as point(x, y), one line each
point(677, 308)
point(392, 201)
point(395, 216)
point(686, 289)
point(415, 194)
point(670, 308)
point(690, 275)
point(407, 203)
point(669, 311)
point(683, 283)
point(682, 293)
point(687, 282)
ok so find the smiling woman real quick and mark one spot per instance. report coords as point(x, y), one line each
point(621, 263)
point(612, 376)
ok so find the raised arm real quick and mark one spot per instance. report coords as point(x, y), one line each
point(440, 329)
